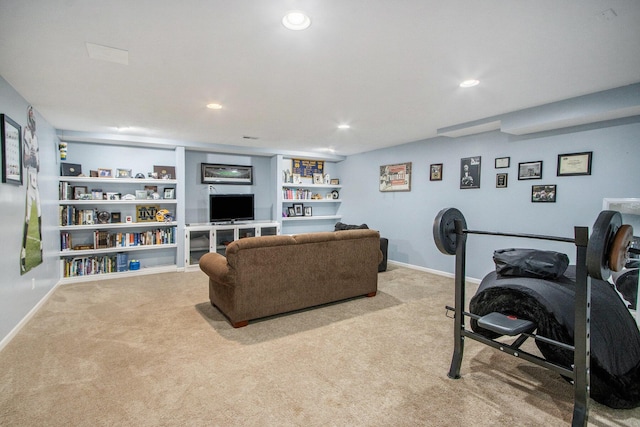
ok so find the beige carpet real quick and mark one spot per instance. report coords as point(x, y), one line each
point(151, 351)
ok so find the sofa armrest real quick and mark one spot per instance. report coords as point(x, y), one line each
point(216, 267)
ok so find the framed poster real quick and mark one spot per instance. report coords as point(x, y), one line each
point(574, 164)
point(530, 170)
point(306, 168)
point(226, 174)
point(395, 177)
point(11, 150)
point(470, 172)
point(436, 172)
point(543, 193)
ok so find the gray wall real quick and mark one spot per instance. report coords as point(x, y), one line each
point(19, 294)
point(406, 218)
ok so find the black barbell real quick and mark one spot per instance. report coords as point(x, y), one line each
point(607, 249)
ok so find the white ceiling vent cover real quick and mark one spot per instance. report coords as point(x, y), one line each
point(109, 54)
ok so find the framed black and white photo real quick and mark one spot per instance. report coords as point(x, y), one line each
point(572, 164)
point(435, 172)
point(291, 211)
point(530, 170)
point(502, 162)
point(470, 172)
point(169, 193)
point(11, 151)
point(226, 174)
point(308, 211)
point(543, 193)
point(78, 192)
point(501, 180)
point(298, 209)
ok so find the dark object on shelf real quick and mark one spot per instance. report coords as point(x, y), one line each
point(384, 242)
point(70, 169)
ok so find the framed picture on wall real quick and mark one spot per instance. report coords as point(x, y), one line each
point(530, 170)
point(435, 172)
point(501, 180)
point(502, 162)
point(11, 151)
point(470, 172)
point(226, 174)
point(574, 164)
point(543, 193)
point(395, 177)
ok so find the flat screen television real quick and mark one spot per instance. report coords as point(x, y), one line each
point(230, 207)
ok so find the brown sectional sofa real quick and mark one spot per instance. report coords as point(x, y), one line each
point(263, 276)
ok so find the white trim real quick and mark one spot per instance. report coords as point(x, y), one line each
point(429, 270)
point(7, 339)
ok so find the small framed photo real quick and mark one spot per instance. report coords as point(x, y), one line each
point(308, 211)
point(104, 173)
point(296, 178)
point(334, 181)
point(543, 193)
point(115, 217)
point(141, 194)
point(436, 172)
point(501, 180)
point(11, 136)
point(96, 194)
point(298, 209)
point(530, 170)
point(123, 173)
point(78, 192)
point(318, 178)
point(291, 211)
point(574, 164)
point(87, 217)
point(93, 174)
point(169, 193)
point(113, 196)
point(502, 162)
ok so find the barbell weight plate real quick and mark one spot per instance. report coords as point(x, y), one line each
point(598, 248)
point(444, 230)
point(620, 247)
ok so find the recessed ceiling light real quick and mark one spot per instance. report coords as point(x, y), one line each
point(214, 106)
point(344, 126)
point(470, 83)
point(296, 20)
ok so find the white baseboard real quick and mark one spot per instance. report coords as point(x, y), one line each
point(26, 318)
point(432, 271)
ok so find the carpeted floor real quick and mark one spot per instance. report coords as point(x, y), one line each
point(152, 351)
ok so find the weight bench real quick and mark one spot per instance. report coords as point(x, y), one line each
point(596, 256)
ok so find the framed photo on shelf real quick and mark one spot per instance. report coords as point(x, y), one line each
point(501, 180)
point(115, 217)
point(123, 173)
point(141, 194)
point(395, 177)
point(165, 172)
point(334, 181)
point(11, 136)
point(113, 196)
point(308, 211)
point(502, 162)
point(435, 172)
point(78, 192)
point(470, 172)
point(296, 178)
point(291, 211)
point(226, 174)
point(298, 209)
point(574, 164)
point(530, 170)
point(104, 173)
point(70, 169)
point(318, 178)
point(543, 193)
point(169, 193)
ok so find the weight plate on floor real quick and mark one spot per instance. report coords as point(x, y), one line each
point(598, 248)
point(618, 253)
point(444, 230)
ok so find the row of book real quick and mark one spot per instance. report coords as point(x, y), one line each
point(85, 266)
point(109, 239)
point(70, 215)
point(296, 194)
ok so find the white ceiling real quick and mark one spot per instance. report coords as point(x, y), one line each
point(390, 69)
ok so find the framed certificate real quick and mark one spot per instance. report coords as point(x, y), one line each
point(574, 164)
